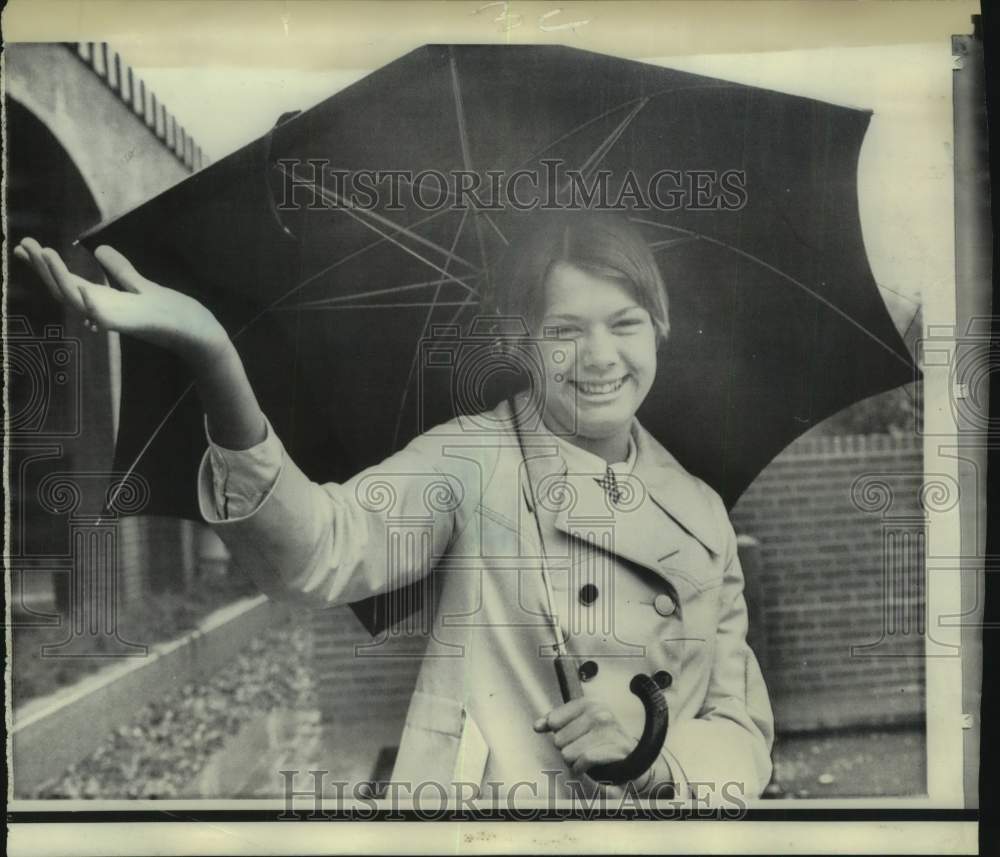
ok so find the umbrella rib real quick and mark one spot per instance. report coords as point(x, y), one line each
point(767, 265)
point(599, 153)
point(463, 139)
point(454, 317)
point(146, 446)
point(912, 321)
point(536, 155)
point(374, 293)
point(898, 294)
point(668, 91)
point(479, 211)
point(430, 304)
point(344, 259)
point(462, 305)
point(330, 195)
point(671, 242)
point(404, 248)
point(496, 229)
point(423, 333)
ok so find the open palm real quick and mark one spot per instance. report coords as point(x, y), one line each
point(136, 306)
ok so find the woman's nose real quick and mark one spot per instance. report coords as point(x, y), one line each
point(599, 351)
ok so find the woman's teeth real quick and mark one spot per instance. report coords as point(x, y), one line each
point(594, 389)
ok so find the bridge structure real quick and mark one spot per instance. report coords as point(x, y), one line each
point(87, 140)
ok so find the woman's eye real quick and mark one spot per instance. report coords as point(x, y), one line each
point(628, 324)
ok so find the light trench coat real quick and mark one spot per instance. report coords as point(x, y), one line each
point(665, 598)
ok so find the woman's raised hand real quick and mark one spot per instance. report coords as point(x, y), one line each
point(163, 317)
point(137, 307)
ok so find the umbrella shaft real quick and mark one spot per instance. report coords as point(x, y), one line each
point(569, 678)
point(566, 667)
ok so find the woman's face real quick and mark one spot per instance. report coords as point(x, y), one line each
point(594, 387)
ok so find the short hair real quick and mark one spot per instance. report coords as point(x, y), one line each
point(604, 243)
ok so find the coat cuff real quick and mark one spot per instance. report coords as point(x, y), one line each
point(666, 771)
point(676, 774)
point(718, 760)
point(239, 480)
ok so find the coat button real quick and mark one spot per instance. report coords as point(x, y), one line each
point(664, 604)
point(588, 594)
point(663, 679)
point(588, 669)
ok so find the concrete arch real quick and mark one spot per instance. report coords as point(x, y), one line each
point(121, 160)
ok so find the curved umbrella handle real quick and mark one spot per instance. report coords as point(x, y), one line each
point(654, 733)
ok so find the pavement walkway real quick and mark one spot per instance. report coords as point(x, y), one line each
point(296, 741)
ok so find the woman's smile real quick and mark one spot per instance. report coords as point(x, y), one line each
point(600, 391)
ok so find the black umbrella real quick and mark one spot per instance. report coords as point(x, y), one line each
point(331, 294)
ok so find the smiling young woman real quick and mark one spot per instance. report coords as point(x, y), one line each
point(613, 360)
point(639, 583)
point(589, 278)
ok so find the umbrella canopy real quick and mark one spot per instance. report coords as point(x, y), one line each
point(331, 282)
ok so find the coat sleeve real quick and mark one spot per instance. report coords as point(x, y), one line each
point(724, 753)
point(242, 478)
point(321, 545)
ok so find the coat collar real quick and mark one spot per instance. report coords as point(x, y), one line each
point(679, 494)
point(686, 499)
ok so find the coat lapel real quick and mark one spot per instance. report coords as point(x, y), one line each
point(685, 499)
point(575, 504)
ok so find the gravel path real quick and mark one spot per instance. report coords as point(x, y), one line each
point(870, 763)
point(168, 742)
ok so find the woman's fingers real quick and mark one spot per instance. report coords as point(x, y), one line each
point(155, 314)
point(576, 728)
point(95, 314)
point(603, 754)
point(33, 251)
point(559, 717)
point(22, 254)
point(120, 269)
point(65, 286)
point(64, 279)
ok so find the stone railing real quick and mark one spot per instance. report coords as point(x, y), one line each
point(119, 77)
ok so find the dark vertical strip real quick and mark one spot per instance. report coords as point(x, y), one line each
point(973, 260)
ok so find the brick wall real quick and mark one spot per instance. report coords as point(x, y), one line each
point(839, 603)
point(356, 674)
